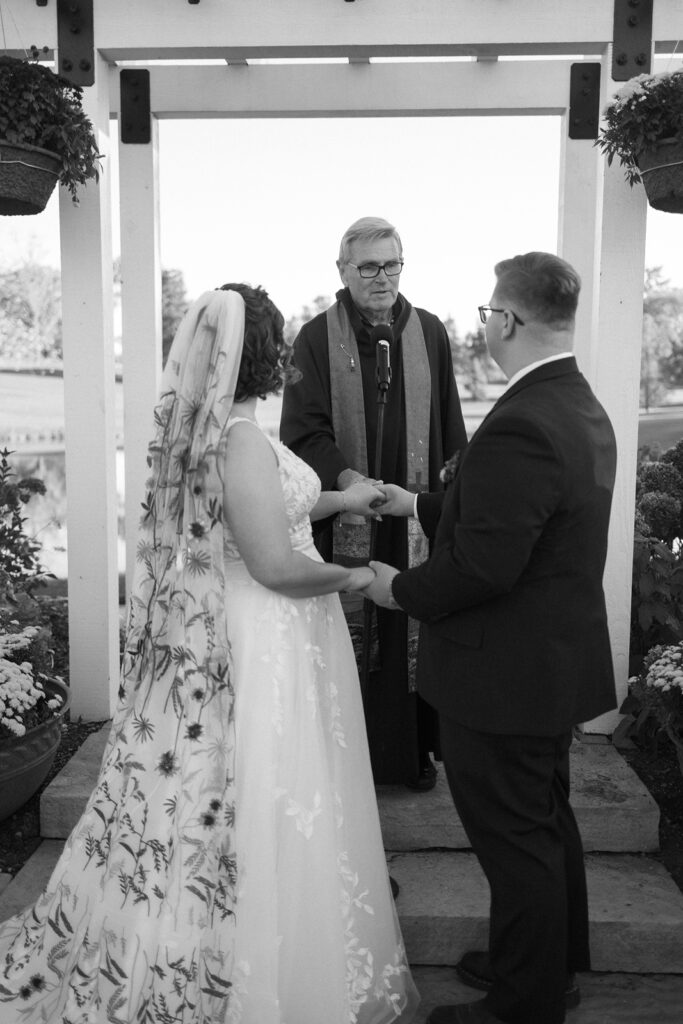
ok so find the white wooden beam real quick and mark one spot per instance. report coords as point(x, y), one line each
point(353, 90)
point(141, 321)
point(128, 29)
point(90, 442)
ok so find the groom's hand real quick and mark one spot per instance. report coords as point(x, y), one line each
point(379, 590)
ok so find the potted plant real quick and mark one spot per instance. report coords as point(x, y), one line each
point(33, 701)
point(654, 703)
point(45, 136)
point(33, 704)
point(657, 584)
point(643, 127)
point(655, 699)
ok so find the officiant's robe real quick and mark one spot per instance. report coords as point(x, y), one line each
point(392, 712)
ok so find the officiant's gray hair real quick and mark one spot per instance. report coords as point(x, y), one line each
point(367, 229)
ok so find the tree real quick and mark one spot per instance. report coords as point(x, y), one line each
point(173, 307)
point(661, 361)
point(457, 348)
point(292, 326)
point(30, 314)
point(665, 305)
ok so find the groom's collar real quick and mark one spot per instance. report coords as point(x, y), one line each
point(534, 366)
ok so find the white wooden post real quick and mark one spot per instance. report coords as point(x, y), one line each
point(87, 284)
point(579, 237)
point(615, 358)
point(141, 307)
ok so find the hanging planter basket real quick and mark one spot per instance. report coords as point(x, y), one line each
point(28, 175)
point(661, 170)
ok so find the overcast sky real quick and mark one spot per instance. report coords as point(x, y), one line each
point(266, 201)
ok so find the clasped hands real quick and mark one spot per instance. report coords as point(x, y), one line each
point(374, 498)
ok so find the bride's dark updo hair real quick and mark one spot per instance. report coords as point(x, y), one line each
point(266, 358)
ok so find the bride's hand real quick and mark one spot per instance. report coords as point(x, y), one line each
point(361, 496)
point(360, 578)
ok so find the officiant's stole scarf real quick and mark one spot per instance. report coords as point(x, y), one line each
point(352, 533)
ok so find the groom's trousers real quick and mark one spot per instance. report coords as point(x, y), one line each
point(512, 795)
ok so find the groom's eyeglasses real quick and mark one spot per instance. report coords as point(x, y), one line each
point(485, 312)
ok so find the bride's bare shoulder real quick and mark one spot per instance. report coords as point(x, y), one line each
point(246, 441)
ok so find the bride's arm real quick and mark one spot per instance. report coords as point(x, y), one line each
point(254, 509)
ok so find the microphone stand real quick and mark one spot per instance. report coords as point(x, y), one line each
point(383, 335)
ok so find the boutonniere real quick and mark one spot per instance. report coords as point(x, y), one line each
point(447, 474)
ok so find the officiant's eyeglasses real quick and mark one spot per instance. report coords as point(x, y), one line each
point(391, 269)
point(484, 312)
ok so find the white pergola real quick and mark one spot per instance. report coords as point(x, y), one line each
point(601, 220)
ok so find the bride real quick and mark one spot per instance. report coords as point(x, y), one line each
point(229, 865)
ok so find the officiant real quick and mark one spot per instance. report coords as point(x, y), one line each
point(329, 419)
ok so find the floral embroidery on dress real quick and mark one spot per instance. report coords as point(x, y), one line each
point(164, 844)
point(305, 816)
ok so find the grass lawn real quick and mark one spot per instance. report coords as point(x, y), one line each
point(664, 427)
point(34, 405)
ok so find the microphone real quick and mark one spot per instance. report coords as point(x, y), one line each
point(382, 335)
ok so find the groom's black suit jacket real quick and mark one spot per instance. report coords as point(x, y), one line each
point(514, 632)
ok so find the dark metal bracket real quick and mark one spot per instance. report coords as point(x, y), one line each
point(632, 36)
point(136, 115)
point(75, 41)
point(584, 101)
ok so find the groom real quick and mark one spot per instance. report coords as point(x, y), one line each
point(514, 647)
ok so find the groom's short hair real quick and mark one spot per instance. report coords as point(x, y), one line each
point(545, 287)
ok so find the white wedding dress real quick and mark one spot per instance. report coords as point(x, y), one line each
point(314, 937)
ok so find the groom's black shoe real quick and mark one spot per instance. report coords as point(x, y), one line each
point(394, 887)
point(475, 970)
point(426, 777)
point(464, 1013)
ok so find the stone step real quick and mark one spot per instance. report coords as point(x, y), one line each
point(636, 910)
point(27, 885)
point(614, 810)
point(605, 998)
point(64, 800)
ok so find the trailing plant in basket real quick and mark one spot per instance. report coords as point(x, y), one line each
point(41, 108)
point(646, 111)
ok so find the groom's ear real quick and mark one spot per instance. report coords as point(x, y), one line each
point(509, 328)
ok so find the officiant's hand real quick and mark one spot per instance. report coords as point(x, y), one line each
point(379, 590)
point(397, 501)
